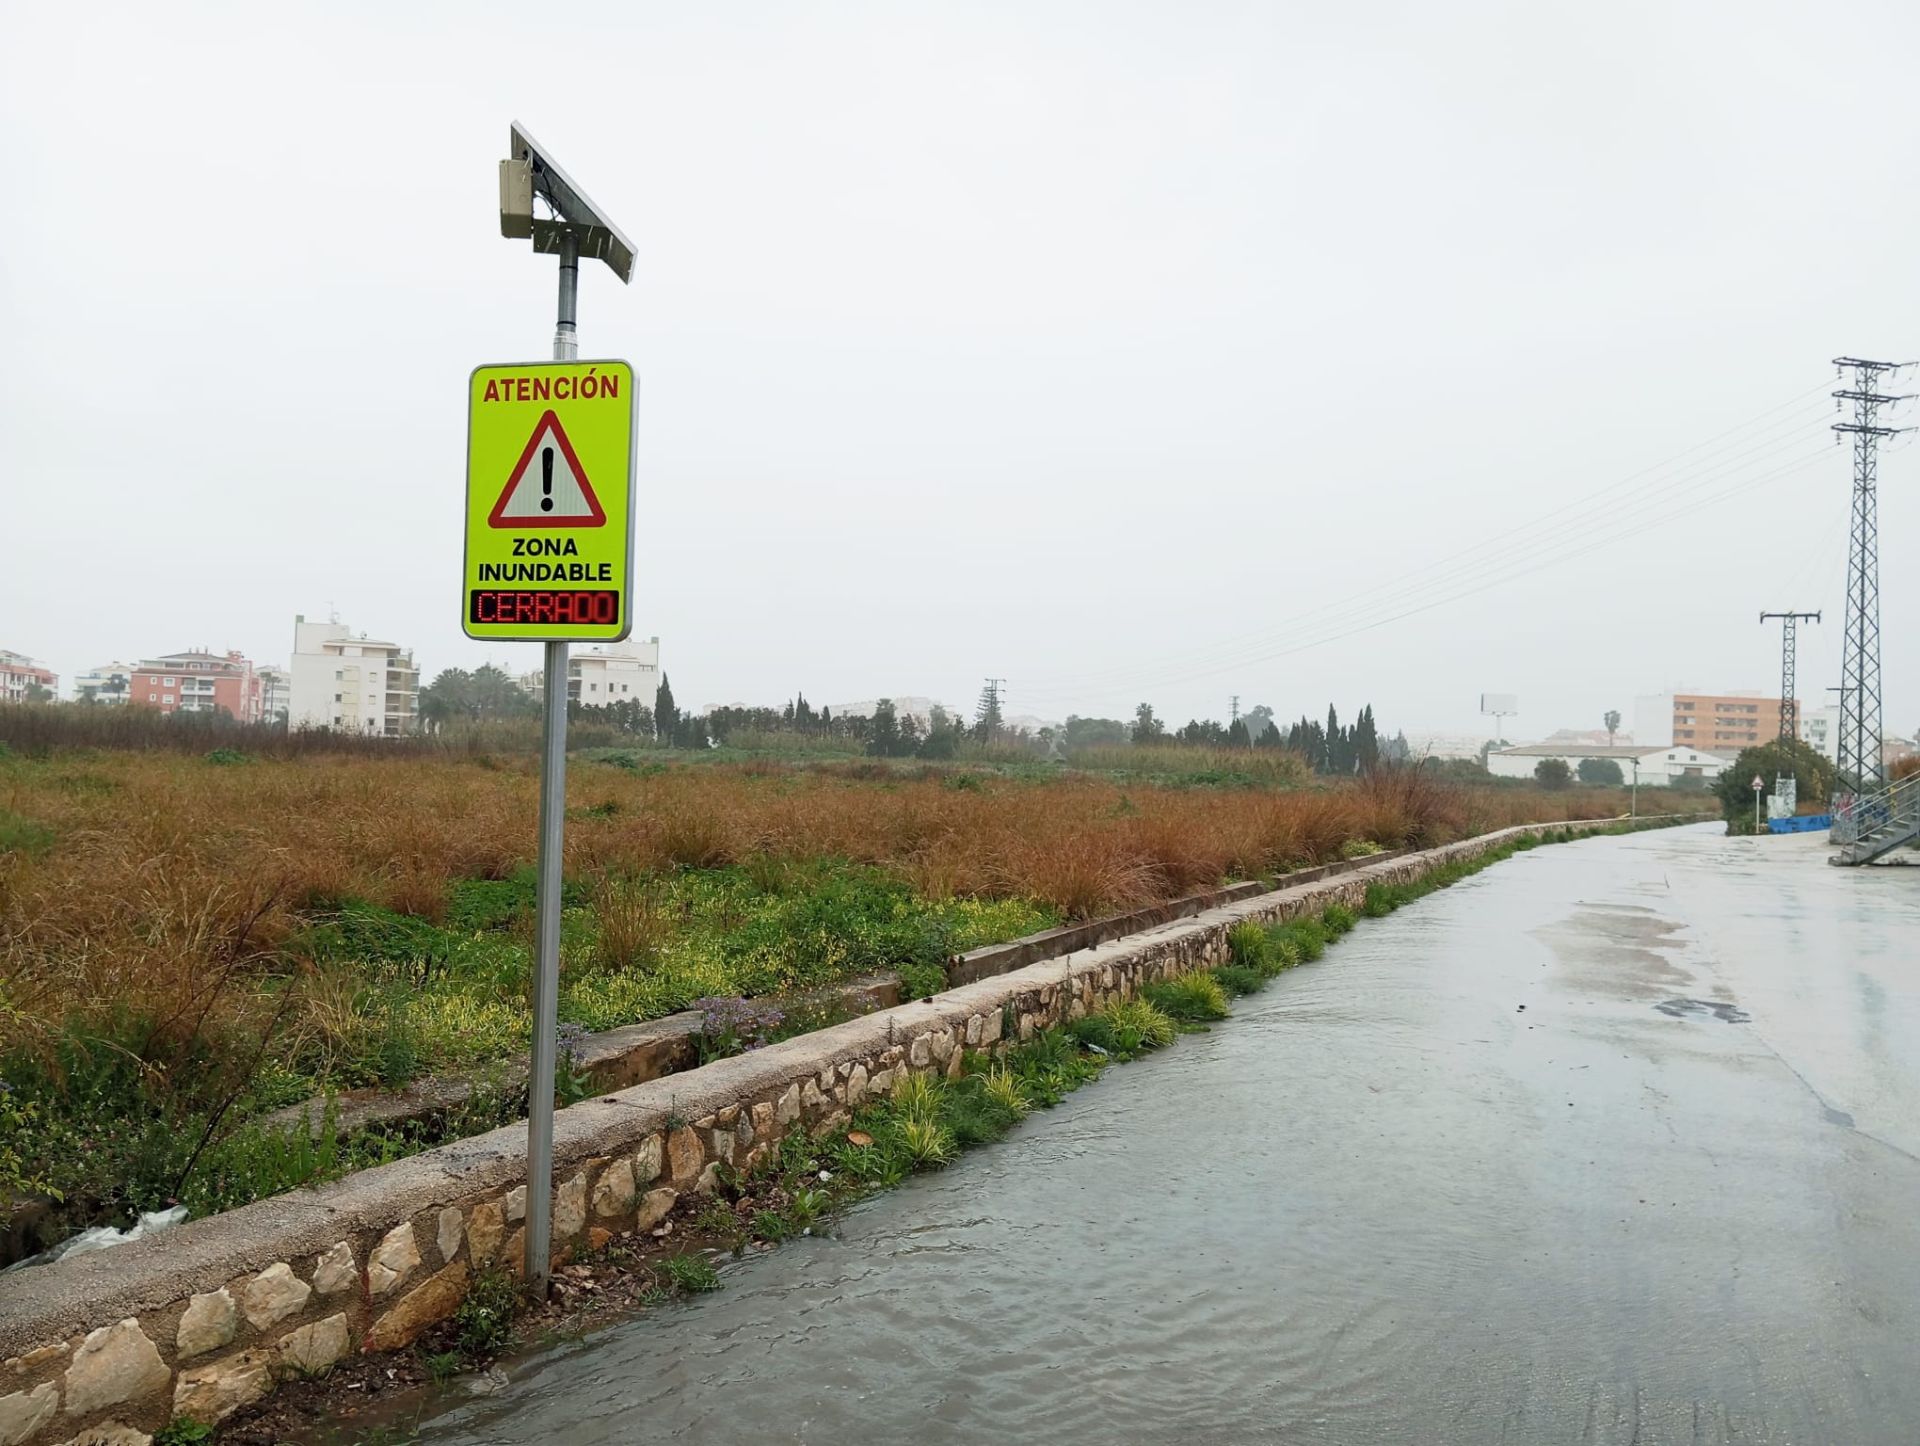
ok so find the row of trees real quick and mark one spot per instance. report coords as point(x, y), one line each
point(1599, 772)
point(488, 693)
point(1333, 748)
point(457, 695)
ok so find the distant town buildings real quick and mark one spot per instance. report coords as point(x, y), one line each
point(1589, 735)
point(356, 684)
point(22, 680)
point(626, 672)
point(1446, 745)
point(198, 681)
point(106, 683)
point(918, 709)
point(276, 694)
point(1715, 722)
point(1820, 730)
point(1658, 766)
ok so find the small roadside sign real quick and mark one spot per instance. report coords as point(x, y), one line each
point(1757, 784)
point(549, 523)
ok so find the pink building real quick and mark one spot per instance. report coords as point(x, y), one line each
point(21, 678)
point(198, 681)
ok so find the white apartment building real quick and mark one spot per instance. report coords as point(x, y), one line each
point(22, 678)
point(1820, 730)
point(108, 683)
point(276, 694)
point(355, 684)
point(626, 672)
point(1447, 745)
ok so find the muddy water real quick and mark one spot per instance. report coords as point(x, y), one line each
point(1614, 1142)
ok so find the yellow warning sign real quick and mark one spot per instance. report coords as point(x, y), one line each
point(549, 502)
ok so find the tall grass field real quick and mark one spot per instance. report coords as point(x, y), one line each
point(188, 942)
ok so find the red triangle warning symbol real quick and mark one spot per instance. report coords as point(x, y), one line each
point(549, 487)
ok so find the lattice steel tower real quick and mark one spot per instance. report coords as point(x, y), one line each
point(1858, 747)
point(1789, 701)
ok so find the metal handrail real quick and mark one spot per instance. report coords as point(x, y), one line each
point(1899, 802)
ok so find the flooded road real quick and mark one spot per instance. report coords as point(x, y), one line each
point(1614, 1142)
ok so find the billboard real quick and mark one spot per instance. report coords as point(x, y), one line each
point(1500, 704)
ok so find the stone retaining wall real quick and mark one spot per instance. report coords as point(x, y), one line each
point(635, 1053)
point(992, 959)
point(203, 1319)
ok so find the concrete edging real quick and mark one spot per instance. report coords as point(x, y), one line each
point(199, 1320)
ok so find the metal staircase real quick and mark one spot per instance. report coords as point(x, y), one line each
point(1875, 823)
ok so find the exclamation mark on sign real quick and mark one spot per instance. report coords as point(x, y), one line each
point(546, 479)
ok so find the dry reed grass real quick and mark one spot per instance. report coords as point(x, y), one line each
point(169, 882)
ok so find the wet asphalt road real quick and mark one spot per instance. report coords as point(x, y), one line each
point(1615, 1142)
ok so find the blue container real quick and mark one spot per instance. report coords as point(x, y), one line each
point(1809, 823)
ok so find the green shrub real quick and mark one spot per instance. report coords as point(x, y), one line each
point(256, 1162)
point(922, 978)
point(1051, 1066)
point(1248, 942)
point(484, 1321)
point(474, 905)
point(1001, 1087)
point(691, 1274)
point(1360, 848)
point(227, 757)
point(1338, 919)
point(182, 1431)
point(1126, 1028)
point(917, 1097)
point(1307, 936)
point(971, 1117)
point(806, 1205)
point(924, 1143)
point(1239, 979)
point(1377, 903)
point(773, 1225)
point(23, 835)
point(1193, 998)
point(19, 1179)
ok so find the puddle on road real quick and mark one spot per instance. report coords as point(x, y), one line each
point(1621, 950)
point(1692, 1008)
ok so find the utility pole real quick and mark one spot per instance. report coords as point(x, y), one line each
point(1858, 747)
point(1789, 700)
point(988, 711)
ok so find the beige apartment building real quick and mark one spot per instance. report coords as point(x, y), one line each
point(350, 682)
point(1724, 722)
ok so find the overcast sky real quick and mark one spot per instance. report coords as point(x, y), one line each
point(1123, 351)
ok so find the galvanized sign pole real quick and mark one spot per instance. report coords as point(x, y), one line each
point(595, 508)
point(546, 907)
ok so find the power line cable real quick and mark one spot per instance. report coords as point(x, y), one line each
point(1169, 677)
point(1251, 648)
point(1610, 500)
